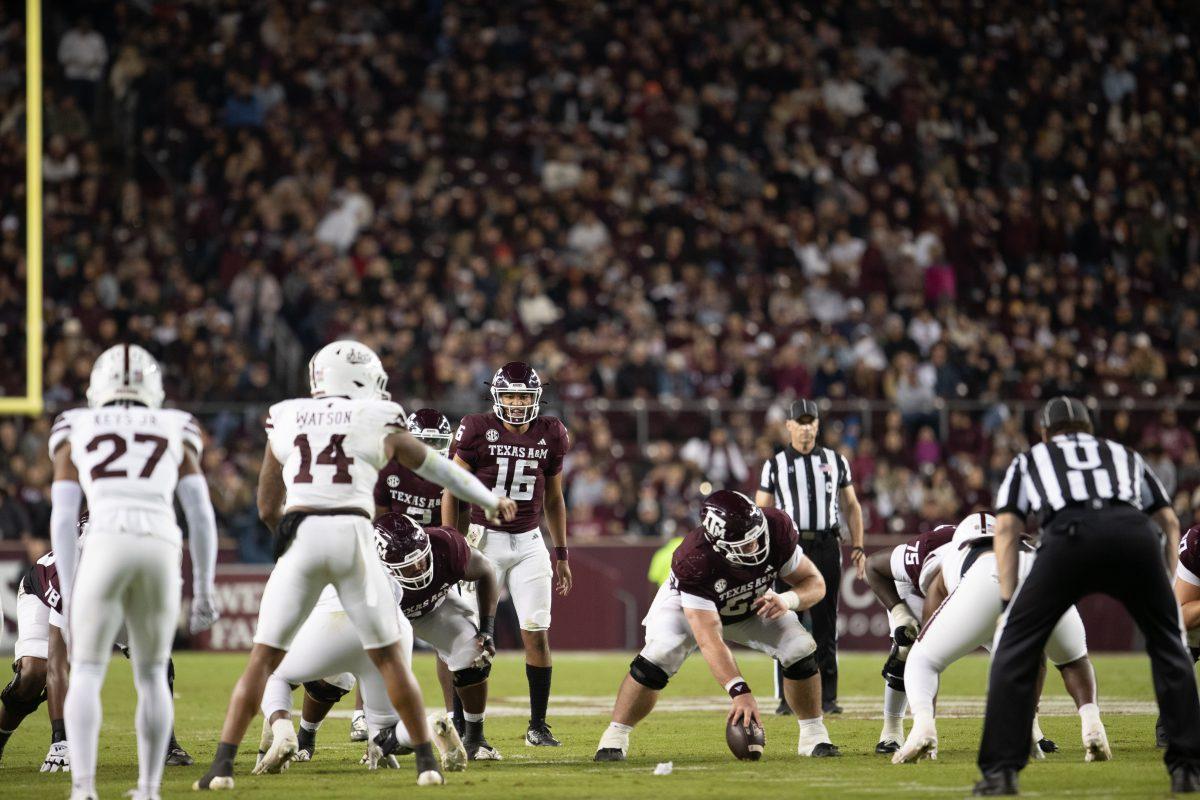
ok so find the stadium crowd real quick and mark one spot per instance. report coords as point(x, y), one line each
point(656, 200)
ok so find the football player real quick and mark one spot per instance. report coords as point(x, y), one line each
point(1187, 592)
point(129, 457)
point(316, 493)
point(519, 454)
point(720, 589)
point(894, 578)
point(961, 583)
point(427, 563)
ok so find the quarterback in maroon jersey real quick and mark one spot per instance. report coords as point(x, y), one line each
point(720, 588)
point(519, 453)
point(894, 576)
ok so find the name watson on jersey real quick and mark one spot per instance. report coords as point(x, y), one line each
point(322, 418)
point(517, 451)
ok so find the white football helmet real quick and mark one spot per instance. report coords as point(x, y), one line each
point(125, 372)
point(977, 526)
point(347, 368)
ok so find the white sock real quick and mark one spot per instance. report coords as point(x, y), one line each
point(82, 715)
point(1037, 730)
point(154, 718)
point(277, 696)
point(813, 730)
point(311, 727)
point(1089, 715)
point(403, 736)
point(616, 735)
point(469, 717)
point(895, 703)
point(921, 683)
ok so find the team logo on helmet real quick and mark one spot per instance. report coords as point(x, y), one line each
point(492, 434)
point(514, 380)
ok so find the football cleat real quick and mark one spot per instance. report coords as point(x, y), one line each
point(609, 754)
point(177, 756)
point(58, 759)
point(482, 751)
point(282, 751)
point(886, 747)
point(306, 744)
point(430, 777)
point(539, 735)
point(922, 742)
point(214, 783)
point(358, 726)
point(1047, 745)
point(824, 750)
point(1095, 745)
point(448, 743)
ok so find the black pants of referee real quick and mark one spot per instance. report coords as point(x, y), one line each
point(1115, 550)
point(826, 554)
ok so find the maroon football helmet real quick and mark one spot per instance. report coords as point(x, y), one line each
point(516, 379)
point(432, 428)
point(736, 528)
point(403, 547)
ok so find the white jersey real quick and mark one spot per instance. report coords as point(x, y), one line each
point(951, 558)
point(128, 458)
point(331, 449)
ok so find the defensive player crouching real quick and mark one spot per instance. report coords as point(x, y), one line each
point(720, 588)
point(427, 563)
point(971, 615)
point(894, 577)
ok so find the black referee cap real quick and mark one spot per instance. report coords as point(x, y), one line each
point(1062, 411)
point(804, 408)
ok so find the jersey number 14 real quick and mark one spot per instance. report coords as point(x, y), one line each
point(333, 456)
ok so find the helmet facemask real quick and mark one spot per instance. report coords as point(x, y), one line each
point(516, 414)
point(751, 551)
point(415, 570)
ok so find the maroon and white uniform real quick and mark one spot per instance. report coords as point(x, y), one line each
point(1188, 571)
point(39, 605)
point(439, 613)
point(401, 490)
point(515, 465)
point(908, 560)
point(701, 578)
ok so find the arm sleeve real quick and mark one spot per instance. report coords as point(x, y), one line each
point(1153, 495)
point(202, 530)
point(438, 469)
point(766, 483)
point(696, 602)
point(1010, 497)
point(65, 499)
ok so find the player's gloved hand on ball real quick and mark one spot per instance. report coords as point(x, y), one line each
point(506, 510)
point(375, 759)
point(744, 710)
point(204, 612)
point(58, 759)
point(907, 626)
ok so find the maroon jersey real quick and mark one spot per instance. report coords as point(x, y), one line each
point(42, 580)
point(401, 490)
point(917, 551)
point(1189, 551)
point(450, 557)
point(512, 464)
point(698, 569)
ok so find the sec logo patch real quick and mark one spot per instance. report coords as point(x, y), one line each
point(492, 434)
point(393, 481)
point(720, 585)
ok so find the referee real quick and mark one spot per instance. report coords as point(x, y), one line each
point(1096, 500)
point(811, 485)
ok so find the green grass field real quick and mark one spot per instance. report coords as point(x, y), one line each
point(687, 729)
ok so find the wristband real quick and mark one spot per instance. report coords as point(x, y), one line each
point(560, 553)
point(857, 548)
point(791, 600)
point(738, 687)
point(487, 626)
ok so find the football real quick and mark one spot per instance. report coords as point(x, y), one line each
point(745, 741)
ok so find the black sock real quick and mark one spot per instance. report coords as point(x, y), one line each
point(58, 731)
point(460, 722)
point(425, 759)
point(223, 760)
point(306, 738)
point(539, 692)
point(474, 731)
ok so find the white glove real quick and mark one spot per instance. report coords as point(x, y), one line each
point(907, 626)
point(204, 612)
point(375, 759)
point(58, 759)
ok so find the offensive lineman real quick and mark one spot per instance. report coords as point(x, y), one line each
point(720, 588)
point(315, 492)
point(128, 457)
point(894, 577)
point(964, 572)
point(427, 563)
point(520, 455)
point(1187, 592)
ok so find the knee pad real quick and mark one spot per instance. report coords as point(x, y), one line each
point(324, 692)
point(648, 674)
point(893, 671)
point(802, 669)
point(11, 697)
point(472, 675)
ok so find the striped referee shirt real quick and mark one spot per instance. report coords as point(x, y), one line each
point(806, 487)
point(1074, 468)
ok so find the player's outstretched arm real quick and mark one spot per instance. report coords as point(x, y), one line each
point(436, 468)
point(556, 520)
point(706, 628)
point(202, 539)
point(66, 496)
point(808, 587)
point(271, 490)
point(880, 579)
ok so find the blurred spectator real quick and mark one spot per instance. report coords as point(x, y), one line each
point(83, 55)
point(717, 458)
